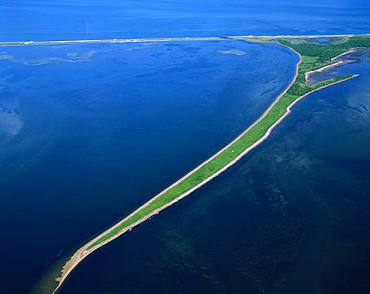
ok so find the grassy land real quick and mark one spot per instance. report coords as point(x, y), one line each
point(257, 39)
point(314, 56)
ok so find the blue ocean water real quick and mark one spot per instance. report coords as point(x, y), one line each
point(92, 19)
point(90, 132)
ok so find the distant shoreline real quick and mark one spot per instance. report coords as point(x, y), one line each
point(164, 39)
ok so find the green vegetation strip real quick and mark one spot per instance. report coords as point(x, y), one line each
point(314, 56)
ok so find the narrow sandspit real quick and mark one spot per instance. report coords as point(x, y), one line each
point(345, 53)
point(172, 39)
point(102, 239)
point(309, 73)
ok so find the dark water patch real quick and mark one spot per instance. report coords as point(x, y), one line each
point(321, 40)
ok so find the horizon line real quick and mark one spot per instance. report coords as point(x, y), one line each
point(166, 39)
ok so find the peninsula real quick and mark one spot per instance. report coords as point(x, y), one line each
point(312, 57)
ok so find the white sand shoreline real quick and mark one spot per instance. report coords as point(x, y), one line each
point(165, 39)
point(336, 64)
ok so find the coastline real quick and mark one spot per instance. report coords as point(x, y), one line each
point(345, 53)
point(165, 39)
point(307, 74)
point(84, 251)
point(338, 63)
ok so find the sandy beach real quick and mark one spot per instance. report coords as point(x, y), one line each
point(173, 39)
point(339, 63)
